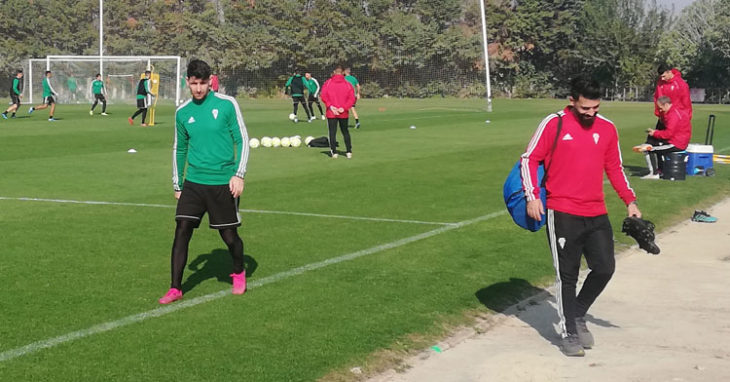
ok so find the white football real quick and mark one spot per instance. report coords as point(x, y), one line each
point(253, 143)
point(308, 139)
point(285, 142)
point(275, 142)
point(266, 141)
point(295, 142)
point(292, 116)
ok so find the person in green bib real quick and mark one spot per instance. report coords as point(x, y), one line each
point(48, 97)
point(72, 86)
point(210, 154)
point(16, 94)
point(97, 87)
point(355, 88)
point(144, 95)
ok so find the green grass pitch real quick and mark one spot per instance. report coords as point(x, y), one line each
point(68, 267)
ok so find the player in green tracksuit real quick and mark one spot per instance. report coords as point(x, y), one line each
point(295, 87)
point(48, 97)
point(313, 88)
point(16, 93)
point(210, 153)
point(97, 87)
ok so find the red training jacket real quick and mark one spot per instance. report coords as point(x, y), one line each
point(337, 92)
point(677, 90)
point(679, 128)
point(576, 165)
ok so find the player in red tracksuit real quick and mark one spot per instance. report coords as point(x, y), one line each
point(577, 220)
point(672, 85)
point(338, 98)
point(675, 136)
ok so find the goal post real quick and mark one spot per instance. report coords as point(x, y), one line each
point(73, 76)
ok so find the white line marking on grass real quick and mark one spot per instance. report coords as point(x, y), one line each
point(167, 309)
point(92, 202)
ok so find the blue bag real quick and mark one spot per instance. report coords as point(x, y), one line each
point(514, 196)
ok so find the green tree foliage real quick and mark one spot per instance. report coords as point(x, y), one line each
point(402, 47)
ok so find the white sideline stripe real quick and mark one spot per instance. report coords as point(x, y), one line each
point(243, 210)
point(167, 309)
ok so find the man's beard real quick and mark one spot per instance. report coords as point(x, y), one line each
point(586, 120)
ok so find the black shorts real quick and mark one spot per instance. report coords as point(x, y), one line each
point(15, 99)
point(313, 98)
point(49, 100)
point(197, 199)
point(296, 99)
point(142, 103)
point(101, 98)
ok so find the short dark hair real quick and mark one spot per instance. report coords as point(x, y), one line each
point(47, 71)
point(97, 74)
point(199, 69)
point(663, 100)
point(663, 68)
point(19, 71)
point(586, 87)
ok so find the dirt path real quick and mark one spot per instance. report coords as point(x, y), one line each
point(661, 318)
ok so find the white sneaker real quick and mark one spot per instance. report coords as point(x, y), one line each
point(323, 118)
point(335, 156)
point(91, 112)
point(349, 155)
point(104, 114)
point(650, 176)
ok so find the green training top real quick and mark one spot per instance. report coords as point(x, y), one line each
point(47, 88)
point(312, 85)
point(97, 86)
point(16, 85)
point(71, 82)
point(211, 139)
point(353, 81)
point(143, 88)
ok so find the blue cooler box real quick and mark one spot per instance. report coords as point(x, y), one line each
point(699, 157)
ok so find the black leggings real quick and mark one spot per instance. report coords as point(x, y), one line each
point(179, 256)
point(139, 111)
point(332, 125)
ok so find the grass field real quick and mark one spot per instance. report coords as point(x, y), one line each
point(346, 258)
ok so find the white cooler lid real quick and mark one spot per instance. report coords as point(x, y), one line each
point(700, 149)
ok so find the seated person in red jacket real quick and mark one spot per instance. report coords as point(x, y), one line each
point(675, 136)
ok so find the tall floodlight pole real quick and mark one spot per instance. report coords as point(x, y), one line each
point(101, 37)
point(486, 55)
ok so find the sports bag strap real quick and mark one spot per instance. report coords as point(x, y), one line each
point(555, 143)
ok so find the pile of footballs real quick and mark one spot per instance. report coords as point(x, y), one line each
point(294, 141)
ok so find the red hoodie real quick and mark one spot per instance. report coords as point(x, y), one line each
point(576, 165)
point(677, 90)
point(337, 92)
point(679, 128)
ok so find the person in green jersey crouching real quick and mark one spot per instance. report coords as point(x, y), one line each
point(97, 87)
point(210, 153)
point(48, 97)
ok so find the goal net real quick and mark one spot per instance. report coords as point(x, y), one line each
point(73, 76)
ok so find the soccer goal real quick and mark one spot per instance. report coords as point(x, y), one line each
point(73, 75)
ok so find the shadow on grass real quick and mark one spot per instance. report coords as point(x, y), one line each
point(217, 265)
point(636, 170)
